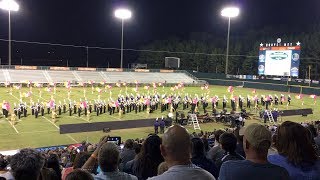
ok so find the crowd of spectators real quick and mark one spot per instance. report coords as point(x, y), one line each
point(288, 151)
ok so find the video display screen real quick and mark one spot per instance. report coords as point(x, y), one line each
point(279, 61)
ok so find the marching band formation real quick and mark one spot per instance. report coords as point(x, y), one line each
point(141, 103)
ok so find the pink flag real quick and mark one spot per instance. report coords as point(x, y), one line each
point(230, 89)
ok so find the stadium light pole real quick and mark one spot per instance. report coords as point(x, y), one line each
point(122, 14)
point(9, 5)
point(87, 52)
point(229, 12)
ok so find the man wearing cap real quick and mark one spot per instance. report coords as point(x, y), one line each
point(256, 142)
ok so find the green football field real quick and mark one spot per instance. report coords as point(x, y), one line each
point(40, 132)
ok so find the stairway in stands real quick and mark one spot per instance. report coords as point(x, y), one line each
point(47, 76)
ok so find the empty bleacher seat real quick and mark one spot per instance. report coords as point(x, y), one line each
point(45, 76)
point(62, 76)
point(26, 75)
point(90, 75)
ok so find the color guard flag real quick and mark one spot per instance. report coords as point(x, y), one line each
point(109, 86)
point(230, 89)
point(98, 90)
point(299, 96)
point(313, 96)
point(146, 87)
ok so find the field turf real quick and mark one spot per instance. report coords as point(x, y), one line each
point(41, 132)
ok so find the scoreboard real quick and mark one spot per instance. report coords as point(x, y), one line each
point(279, 61)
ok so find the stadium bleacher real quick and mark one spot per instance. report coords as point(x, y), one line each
point(119, 76)
point(16, 76)
point(3, 77)
point(87, 76)
point(46, 76)
point(61, 76)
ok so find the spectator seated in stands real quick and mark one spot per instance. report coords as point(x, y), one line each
point(48, 174)
point(216, 151)
point(3, 168)
point(147, 161)
point(239, 148)
point(26, 164)
point(79, 161)
point(296, 153)
point(199, 159)
point(228, 143)
point(108, 159)
point(79, 174)
point(313, 134)
point(176, 150)
point(317, 138)
point(53, 162)
point(127, 154)
point(129, 165)
point(256, 142)
point(163, 167)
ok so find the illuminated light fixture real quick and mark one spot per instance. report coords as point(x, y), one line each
point(229, 12)
point(9, 5)
point(122, 14)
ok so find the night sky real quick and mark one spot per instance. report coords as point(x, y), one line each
point(92, 23)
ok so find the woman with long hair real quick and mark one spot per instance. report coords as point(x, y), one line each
point(147, 161)
point(53, 162)
point(79, 161)
point(295, 152)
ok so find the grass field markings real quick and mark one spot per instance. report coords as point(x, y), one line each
point(15, 97)
point(13, 127)
point(64, 98)
point(51, 122)
point(220, 92)
point(34, 132)
point(117, 118)
point(39, 97)
point(69, 136)
point(141, 115)
point(77, 117)
point(30, 132)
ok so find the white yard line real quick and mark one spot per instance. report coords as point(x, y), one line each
point(59, 129)
point(72, 138)
point(31, 132)
point(51, 122)
point(39, 97)
point(15, 97)
point(77, 117)
point(13, 127)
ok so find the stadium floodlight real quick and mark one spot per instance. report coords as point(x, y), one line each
point(122, 14)
point(229, 12)
point(9, 5)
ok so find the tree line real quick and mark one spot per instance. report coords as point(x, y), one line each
point(205, 52)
